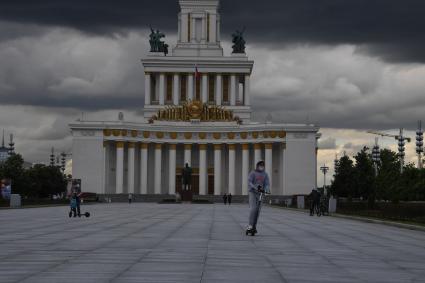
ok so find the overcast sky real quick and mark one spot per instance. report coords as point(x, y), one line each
point(348, 66)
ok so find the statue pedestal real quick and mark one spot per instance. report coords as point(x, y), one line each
point(156, 54)
point(187, 195)
point(239, 55)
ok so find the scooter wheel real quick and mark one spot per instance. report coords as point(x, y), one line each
point(87, 214)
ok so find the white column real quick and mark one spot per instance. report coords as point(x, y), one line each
point(176, 79)
point(257, 153)
point(202, 169)
point(218, 89)
point(232, 165)
point(131, 167)
point(190, 86)
point(147, 88)
point(193, 30)
point(247, 98)
point(269, 162)
point(120, 168)
point(158, 161)
point(217, 169)
point(144, 168)
point(161, 89)
point(187, 154)
point(184, 29)
point(105, 167)
point(204, 30)
point(213, 25)
point(172, 170)
point(204, 90)
point(245, 168)
point(282, 169)
point(232, 89)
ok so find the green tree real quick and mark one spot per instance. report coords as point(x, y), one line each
point(364, 177)
point(343, 182)
point(388, 177)
point(13, 169)
point(45, 181)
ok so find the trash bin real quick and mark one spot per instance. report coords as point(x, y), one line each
point(15, 200)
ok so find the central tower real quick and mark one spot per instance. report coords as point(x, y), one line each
point(198, 29)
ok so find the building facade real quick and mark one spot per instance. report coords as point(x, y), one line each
point(197, 111)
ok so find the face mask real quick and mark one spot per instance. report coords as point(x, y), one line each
point(261, 168)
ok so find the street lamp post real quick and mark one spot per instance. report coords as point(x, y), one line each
point(376, 156)
point(401, 143)
point(419, 144)
point(325, 170)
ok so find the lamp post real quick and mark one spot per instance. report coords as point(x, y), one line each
point(419, 144)
point(325, 170)
point(401, 143)
point(376, 156)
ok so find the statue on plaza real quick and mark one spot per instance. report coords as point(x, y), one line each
point(238, 41)
point(155, 41)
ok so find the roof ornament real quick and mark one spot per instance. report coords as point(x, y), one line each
point(238, 41)
point(155, 41)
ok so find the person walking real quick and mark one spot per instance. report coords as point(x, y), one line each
point(187, 177)
point(314, 197)
point(229, 198)
point(78, 196)
point(130, 198)
point(258, 184)
point(225, 198)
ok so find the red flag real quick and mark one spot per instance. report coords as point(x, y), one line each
point(197, 74)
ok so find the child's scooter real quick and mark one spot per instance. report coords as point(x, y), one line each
point(87, 214)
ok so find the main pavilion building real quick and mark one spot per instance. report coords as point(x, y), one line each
point(197, 111)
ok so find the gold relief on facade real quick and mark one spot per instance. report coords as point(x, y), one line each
point(143, 145)
point(120, 144)
point(202, 136)
point(195, 110)
point(188, 136)
point(245, 146)
point(173, 136)
point(244, 135)
point(202, 147)
point(254, 135)
point(282, 134)
point(116, 133)
point(131, 145)
point(134, 133)
point(273, 134)
point(124, 133)
point(232, 146)
point(146, 134)
point(107, 132)
point(217, 136)
point(268, 146)
point(159, 135)
point(265, 134)
point(231, 136)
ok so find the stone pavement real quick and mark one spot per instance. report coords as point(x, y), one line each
point(201, 243)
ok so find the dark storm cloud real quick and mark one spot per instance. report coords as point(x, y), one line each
point(390, 29)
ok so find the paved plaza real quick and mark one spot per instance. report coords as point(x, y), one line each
point(202, 243)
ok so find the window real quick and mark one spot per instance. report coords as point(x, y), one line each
point(189, 27)
point(211, 88)
point(153, 89)
point(183, 87)
point(225, 89)
point(169, 96)
point(198, 87)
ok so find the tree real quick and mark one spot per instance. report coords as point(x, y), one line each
point(13, 169)
point(45, 181)
point(364, 177)
point(343, 182)
point(388, 177)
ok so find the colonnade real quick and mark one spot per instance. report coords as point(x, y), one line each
point(187, 157)
point(237, 92)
